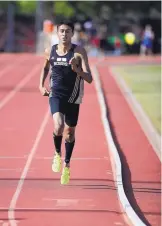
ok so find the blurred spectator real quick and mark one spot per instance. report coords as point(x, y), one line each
point(117, 46)
point(3, 38)
point(147, 41)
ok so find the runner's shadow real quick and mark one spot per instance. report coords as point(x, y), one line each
point(81, 183)
point(6, 219)
point(55, 179)
point(94, 186)
point(62, 210)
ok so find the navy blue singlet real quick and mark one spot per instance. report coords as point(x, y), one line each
point(64, 82)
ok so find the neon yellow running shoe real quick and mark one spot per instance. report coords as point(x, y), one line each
point(65, 177)
point(56, 164)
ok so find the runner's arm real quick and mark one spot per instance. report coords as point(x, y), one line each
point(45, 69)
point(44, 73)
point(85, 73)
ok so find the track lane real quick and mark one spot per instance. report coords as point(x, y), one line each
point(17, 136)
point(141, 166)
point(91, 197)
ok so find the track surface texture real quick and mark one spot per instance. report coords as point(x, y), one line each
point(140, 164)
point(30, 193)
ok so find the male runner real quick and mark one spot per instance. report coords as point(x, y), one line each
point(69, 68)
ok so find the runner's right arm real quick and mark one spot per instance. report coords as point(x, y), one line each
point(44, 73)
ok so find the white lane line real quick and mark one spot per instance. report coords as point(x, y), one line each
point(11, 210)
point(22, 83)
point(131, 214)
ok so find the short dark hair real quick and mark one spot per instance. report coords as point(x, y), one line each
point(68, 23)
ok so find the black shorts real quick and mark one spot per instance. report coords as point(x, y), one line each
point(69, 110)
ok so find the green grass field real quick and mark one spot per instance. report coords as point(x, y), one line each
point(145, 83)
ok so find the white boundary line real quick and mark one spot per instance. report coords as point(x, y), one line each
point(11, 213)
point(153, 137)
point(131, 214)
point(21, 84)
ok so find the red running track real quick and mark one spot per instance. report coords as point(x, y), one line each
point(142, 167)
point(27, 184)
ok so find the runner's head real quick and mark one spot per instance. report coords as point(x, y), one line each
point(65, 31)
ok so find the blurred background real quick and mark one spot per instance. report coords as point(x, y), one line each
point(100, 26)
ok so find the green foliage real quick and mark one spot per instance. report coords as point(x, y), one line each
point(99, 10)
point(3, 5)
point(87, 8)
point(26, 7)
point(64, 9)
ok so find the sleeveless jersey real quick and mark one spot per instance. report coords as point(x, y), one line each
point(64, 82)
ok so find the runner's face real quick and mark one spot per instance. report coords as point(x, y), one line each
point(65, 33)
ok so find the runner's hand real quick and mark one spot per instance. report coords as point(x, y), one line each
point(74, 65)
point(44, 91)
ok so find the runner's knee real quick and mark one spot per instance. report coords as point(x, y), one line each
point(58, 124)
point(69, 134)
